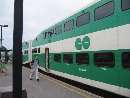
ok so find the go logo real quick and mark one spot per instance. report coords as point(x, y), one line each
point(85, 43)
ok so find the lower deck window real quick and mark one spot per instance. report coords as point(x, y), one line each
point(126, 59)
point(82, 58)
point(38, 50)
point(68, 58)
point(125, 5)
point(105, 59)
point(26, 52)
point(57, 57)
point(34, 50)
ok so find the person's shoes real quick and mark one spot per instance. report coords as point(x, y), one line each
point(37, 79)
point(30, 78)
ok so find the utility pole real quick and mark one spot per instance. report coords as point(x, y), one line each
point(17, 48)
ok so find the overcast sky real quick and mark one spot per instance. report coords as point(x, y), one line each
point(38, 15)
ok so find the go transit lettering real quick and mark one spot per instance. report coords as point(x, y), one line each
point(85, 43)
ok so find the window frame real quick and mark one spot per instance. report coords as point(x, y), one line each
point(104, 65)
point(102, 6)
point(81, 16)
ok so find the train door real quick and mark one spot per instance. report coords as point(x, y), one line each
point(47, 59)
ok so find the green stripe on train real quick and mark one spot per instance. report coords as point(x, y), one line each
point(116, 75)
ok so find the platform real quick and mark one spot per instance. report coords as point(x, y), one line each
point(47, 87)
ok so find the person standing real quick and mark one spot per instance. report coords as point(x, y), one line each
point(34, 69)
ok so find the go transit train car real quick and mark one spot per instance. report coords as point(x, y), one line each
point(27, 51)
point(91, 47)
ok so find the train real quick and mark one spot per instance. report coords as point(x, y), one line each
point(91, 46)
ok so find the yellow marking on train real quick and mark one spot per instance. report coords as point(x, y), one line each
point(72, 88)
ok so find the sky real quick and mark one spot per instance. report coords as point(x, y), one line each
point(37, 16)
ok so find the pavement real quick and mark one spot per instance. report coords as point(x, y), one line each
point(47, 87)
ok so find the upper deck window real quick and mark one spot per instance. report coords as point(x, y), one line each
point(51, 32)
point(125, 4)
point(126, 59)
point(82, 58)
point(105, 59)
point(104, 11)
point(68, 26)
point(58, 29)
point(83, 19)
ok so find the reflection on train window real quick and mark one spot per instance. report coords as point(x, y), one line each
point(38, 50)
point(58, 29)
point(68, 26)
point(68, 58)
point(82, 58)
point(125, 5)
point(57, 58)
point(104, 10)
point(83, 19)
point(105, 59)
point(126, 59)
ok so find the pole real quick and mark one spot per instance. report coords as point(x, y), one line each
point(17, 49)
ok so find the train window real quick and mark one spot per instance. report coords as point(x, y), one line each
point(104, 59)
point(34, 50)
point(126, 59)
point(45, 34)
point(58, 29)
point(104, 11)
point(38, 50)
point(83, 19)
point(51, 32)
point(68, 58)
point(82, 58)
point(57, 57)
point(25, 51)
point(125, 5)
point(68, 26)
